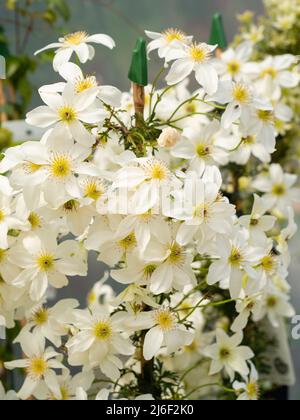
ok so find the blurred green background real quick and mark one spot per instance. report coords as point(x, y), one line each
point(124, 20)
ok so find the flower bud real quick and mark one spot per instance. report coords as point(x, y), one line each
point(169, 137)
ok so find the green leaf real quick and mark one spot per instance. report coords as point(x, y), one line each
point(138, 72)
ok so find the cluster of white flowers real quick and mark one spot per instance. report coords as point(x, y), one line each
point(164, 215)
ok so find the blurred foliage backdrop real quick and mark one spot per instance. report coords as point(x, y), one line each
point(124, 20)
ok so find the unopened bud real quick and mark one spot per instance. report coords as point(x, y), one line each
point(169, 137)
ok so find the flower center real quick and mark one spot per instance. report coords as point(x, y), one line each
point(253, 390)
point(224, 353)
point(241, 94)
point(61, 167)
point(157, 171)
point(202, 150)
point(84, 84)
point(2, 216)
point(93, 190)
point(76, 38)
point(268, 263)
point(266, 116)
point(279, 190)
point(191, 108)
point(67, 114)
point(128, 243)
point(149, 270)
point(71, 206)
point(173, 35)
point(199, 53)
point(176, 254)
point(2, 255)
point(236, 256)
point(37, 368)
point(270, 71)
point(271, 302)
point(41, 316)
point(64, 394)
point(249, 140)
point(201, 211)
point(234, 67)
point(102, 330)
point(165, 320)
point(45, 262)
point(35, 220)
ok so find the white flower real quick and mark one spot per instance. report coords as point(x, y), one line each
point(197, 58)
point(237, 258)
point(98, 340)
point(50, 323)
point(245, 307)
point(67, 114)
point(258, 222)
point(164, 330)
point(248, 390)
point(275, 305)
point(44, 262)
point(273, 74)
point(278, 188)
point(74, 75)
point(166, 41)
point(286, 235)
point(231, 64)
point(174, 269)
point(38, 362)
point(201, 146)
point(229, 355)
point(240, 99)
point(77, 42)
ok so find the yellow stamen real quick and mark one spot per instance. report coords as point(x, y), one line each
point(279, 189)
point(234, 67)
point(236, 256)
point(102, 330)
point(84, 84)
point(270, 71)
point(202, 150)
point(241, 94)
point(93, 190)
point(61, 167)
point(199, 52)
point(2, 216)
point(45, 262)
point(266, 116)
point(67, 114)
point(128, 243)
point(37, 368)
point(165, 320)
point(174, 35)
point(35, 220)
point(41, 316)
point(76, 38)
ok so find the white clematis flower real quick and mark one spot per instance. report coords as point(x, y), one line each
point(78, 43)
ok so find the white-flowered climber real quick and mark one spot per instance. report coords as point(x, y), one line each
point(186, 210)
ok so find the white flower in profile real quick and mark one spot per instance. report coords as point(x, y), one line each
point(67, 113)
point(258, 222)
point(99, 338)
point(40, 364)
point(250, 144)
point(237, 258)
point(7, 396)
point(164, 330)
point(231, 63)
point(245, 307)
point(274, 305)
point(202, 145)
point(228, 354)
point(248, 390)
point(78, 43)
point(278, 187)
point(166, 41)
point(44, 262)
point(285, 236)
point(50, 323)
point(197, 58)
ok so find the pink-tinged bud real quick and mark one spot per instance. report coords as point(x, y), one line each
point(169, 137)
